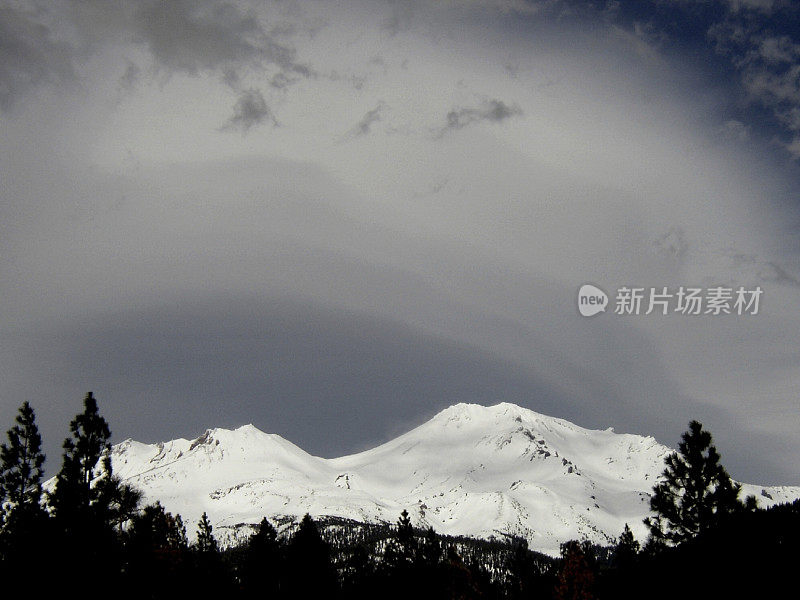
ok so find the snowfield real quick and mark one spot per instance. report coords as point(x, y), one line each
point(471, 470)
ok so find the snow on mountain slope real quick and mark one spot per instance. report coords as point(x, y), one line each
point(504, 469)
point(470, 470)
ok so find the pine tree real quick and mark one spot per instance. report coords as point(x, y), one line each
point(576, 579)
point(521, 568)
point(156, 552)
point(358, 574)
point(122, 500)
point(153, 528)
point(427, 573)
point(405, 533)
point(430, 551)
point(211, 576)
point(82, 501)
point(80, 484)
point(400, 551)
point(627, 549)
point(266, 536)
point(261, 568)
point(22, 518)
point(206, 543)
point(311, 572)
point(458, 579)
point(176, 538)
point(405, 537)
point(21, 462)
point(695, 492)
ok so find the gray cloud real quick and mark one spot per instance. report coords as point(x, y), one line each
point(778, 90)
point(400, 17)
point(328, 380)
point(181, 36)
point(735, 130)
point(250, 109)
point(404, 14)
point(281, 81)
point(30, 55)
point(190, 36)
point(493, 111)
point(333, 381)
point(130, 77)
point(337, 293)
point(778, 50)
point(364, 126)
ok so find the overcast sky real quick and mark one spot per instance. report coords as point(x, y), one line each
point(333, 219)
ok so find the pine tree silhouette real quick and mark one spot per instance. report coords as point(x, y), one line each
point(82, 502)
point(626, 550)
point(695, 493)
point(21, 462)
point(310, 572)
point(156, 553)
point(576, 579)
point(430, 551)
point(86, 465)
point(427, 568)
point(400, 550)
point(206, 543)
point(520, 567)
point(261, 571)
point(211, 576)
point(359, 574)
point(23, 521)
point(177, 539)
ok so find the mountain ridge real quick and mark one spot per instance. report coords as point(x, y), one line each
point(500, 470)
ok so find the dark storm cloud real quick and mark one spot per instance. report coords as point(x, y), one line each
point(29, 56)
point(332, 381)
point(250, 109)
point(191, 36)
point(328, 380)
point(757, 40)
point(768, 63)
point(493, 111)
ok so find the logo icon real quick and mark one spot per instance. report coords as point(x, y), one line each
point(591, 300)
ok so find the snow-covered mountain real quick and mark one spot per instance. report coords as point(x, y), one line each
point(473, 470)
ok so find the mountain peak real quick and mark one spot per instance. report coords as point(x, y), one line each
point(501, 416)
point(470, 470)
point(480, 411)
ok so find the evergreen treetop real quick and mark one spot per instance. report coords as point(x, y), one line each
point(206, 543)
point(695, 490)
point(627, 548)
point(85, 488)
point(21, 462)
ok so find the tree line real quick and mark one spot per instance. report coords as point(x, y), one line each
point(91, 533)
